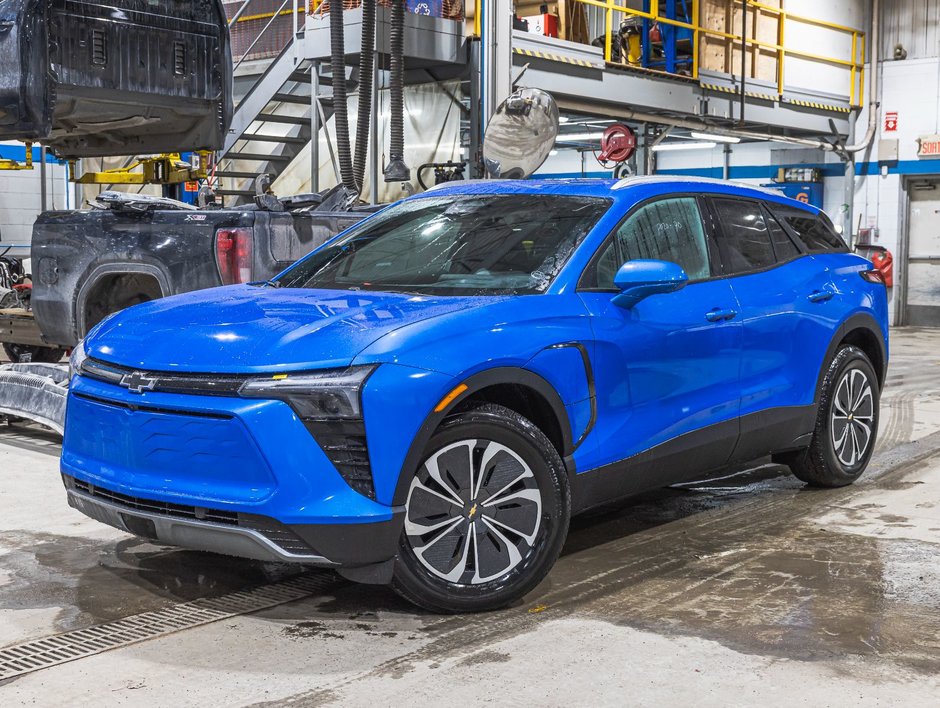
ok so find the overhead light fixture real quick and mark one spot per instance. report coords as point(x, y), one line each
point(578, 137)
point(716, 138)
point(562, 119)
point(666, 147)
point(553, 153)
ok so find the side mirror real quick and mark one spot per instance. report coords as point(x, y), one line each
point(639, 279)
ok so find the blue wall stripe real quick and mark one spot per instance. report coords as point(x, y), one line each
point(18, 153)
point(769, 172)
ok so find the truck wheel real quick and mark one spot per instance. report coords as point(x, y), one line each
point(486, 514)
point(846, 424)
point(25, 353)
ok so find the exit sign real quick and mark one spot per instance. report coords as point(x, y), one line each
point(928, 146)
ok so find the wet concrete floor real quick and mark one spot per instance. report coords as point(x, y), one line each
point(745, 589)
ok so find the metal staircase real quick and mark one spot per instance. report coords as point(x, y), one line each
point(272, 123)
point(270, 127)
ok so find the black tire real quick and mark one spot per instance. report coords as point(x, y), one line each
point(850, 383)
point(515, 460)
point(25, 353)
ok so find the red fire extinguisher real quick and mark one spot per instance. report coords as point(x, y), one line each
point(882, 260)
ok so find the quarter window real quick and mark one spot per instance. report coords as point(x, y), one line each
point(783, 245)
point(813, 230)
point(747, 244)
point(665, 230)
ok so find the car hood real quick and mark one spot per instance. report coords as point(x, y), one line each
point(247, 329)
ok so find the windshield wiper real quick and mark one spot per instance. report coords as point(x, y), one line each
point(266, 284)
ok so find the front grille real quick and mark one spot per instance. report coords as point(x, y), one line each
point(151, 409)
point(165, 382)
point(272, 529)
point(343, 441)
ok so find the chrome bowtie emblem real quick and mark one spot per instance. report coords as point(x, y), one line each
point(137, 382)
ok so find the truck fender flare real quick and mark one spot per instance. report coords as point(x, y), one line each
point(104, 269)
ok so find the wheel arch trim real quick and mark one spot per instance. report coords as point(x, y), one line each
point(858, 321)
point(105, 269)
point(514, 375)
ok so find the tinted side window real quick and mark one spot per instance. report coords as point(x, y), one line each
point(746, 241)
point(783, 245)
point(665, 230)
point(813, 231)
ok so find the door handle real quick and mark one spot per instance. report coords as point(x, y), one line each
point(820, 295)
point(719, 315)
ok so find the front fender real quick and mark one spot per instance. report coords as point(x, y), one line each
point(400, 402)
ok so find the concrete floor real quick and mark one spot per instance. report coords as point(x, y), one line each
point(735, 591)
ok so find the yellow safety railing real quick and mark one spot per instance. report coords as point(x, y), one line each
point(854, 63)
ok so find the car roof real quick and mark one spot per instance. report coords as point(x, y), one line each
point(631, 189)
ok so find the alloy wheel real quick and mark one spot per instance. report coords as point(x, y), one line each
point(852, 417)
point(473, 513)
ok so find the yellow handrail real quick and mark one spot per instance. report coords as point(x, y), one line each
point(268, 15)
point(855, 63)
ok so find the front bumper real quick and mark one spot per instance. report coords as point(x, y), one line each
point(237, 534)
point(214, 473)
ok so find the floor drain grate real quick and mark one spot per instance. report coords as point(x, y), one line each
point(42, 653)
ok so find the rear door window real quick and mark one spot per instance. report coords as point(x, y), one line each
point(813, 230)
point(745, 239)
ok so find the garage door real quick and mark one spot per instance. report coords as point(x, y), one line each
point(923, 275)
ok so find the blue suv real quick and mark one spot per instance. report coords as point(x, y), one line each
point(425, 400)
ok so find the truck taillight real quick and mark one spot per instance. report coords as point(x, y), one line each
point(233, 254)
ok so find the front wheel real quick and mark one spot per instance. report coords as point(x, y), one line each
point(846, 423)
point(486, 514)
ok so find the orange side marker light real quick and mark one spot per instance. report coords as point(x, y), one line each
point(449, 398)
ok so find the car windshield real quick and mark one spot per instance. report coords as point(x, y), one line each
point(493, 244)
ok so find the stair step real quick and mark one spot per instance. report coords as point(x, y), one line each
point(275, 118)
point(299, 99)
point(258, 156)
point(300, 77)
point(235, 174)
point(285, 139)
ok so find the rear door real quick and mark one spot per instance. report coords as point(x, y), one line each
point(666, 369)
point(784, 295)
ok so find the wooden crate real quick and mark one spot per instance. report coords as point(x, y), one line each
point(723, 55)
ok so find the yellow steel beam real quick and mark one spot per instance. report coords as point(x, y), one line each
point(8, 165)
point(168, 168)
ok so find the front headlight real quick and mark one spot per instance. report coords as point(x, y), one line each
point(329, 403)
point(76, 359)
point(331, 394)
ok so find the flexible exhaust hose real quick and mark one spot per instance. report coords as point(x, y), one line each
point(340, 109)
point(366, 63)
point(396, 170)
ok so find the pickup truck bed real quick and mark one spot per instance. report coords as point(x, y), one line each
point(88, 264)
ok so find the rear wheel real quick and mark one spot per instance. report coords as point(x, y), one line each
point(486, 514)
point(846, 423)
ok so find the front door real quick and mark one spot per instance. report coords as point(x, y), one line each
point(923, 268)
point(667, 368)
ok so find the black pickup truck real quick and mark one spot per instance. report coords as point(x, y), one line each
point(131, 249)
